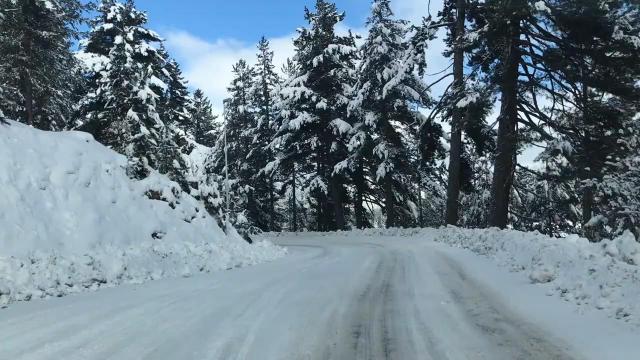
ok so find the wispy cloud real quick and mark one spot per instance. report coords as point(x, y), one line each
point(207, 64)
point(415, 10)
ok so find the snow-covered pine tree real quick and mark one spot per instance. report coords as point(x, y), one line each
point(239, 116)
point(261, 134)
point(315, 104)
point(476, 190)
point(285, 160)
point(508, 37)
point(595, 72)
point(542, 203)
point(388, 91)
point(203, 124)
point(37, 70)
point(178, 97)
point(122, 109)
point(466, 103)
point(174, 106)
point(619, 190)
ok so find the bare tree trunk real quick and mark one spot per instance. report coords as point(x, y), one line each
point(338, 202)
point(453, 186)
point(358, 206)
point(294, 200)
point(272, 206)
point(505, 161)
point(421, 214)
point(389, 202)
point(587, 205)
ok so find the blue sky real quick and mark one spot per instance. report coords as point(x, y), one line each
point(208, 36)
point(244, 20)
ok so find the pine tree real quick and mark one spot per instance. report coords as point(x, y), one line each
point(541, 203)
point(594, 71)
point(203, 124)
point(314, 130)
point(261, 134)
point(174, 106)
point(476, 190)
point(506, 37)
point(178, 96)
point(388, 89)
point(505, 29)
point(618, 191)
point(285, 159)
point(124, 104)
point(239, 116)
point(457, 32)
point(37, 62)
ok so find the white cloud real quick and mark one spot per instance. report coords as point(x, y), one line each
point(207, 65)
point(415, 10)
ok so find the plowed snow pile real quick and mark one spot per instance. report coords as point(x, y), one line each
point(71, 220)
point(603, 276)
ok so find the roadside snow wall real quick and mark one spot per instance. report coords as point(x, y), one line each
point(71, 220)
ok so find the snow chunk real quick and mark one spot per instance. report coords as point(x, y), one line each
point(542, 6)
point(624, 248)
point(542, 275)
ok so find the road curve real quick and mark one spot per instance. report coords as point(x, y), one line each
point(331, 298)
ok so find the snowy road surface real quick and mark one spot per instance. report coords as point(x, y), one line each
point(331, 298)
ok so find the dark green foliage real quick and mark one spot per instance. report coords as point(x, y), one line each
point(37, 73)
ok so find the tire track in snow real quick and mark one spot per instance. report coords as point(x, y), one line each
point(332, 298)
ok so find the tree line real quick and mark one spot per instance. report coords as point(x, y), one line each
point(348, 134)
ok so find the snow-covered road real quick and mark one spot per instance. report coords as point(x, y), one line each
point(331, 298)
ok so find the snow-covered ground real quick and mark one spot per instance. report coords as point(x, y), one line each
point(336, 296)
point(71, 220)
point(593, 277)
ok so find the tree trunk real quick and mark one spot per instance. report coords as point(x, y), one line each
point(321, 197)
point(421, 210)
point(587, 205)
point(358, 206)
point(453, 186)
point(272, 206)
point(294, 201)
point(320, 218)
point(505, 161)
point(389, 202)
point(338, 202)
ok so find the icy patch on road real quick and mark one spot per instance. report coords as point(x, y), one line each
point(72, 220)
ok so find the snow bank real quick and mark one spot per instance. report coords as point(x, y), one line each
point(71, 219)
point(603, 276)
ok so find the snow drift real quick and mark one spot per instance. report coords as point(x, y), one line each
point(593, 276)
point(71, 219)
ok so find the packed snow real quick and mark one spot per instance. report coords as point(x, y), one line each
point(381, 296)
point(71, 220)
point(592, 276)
